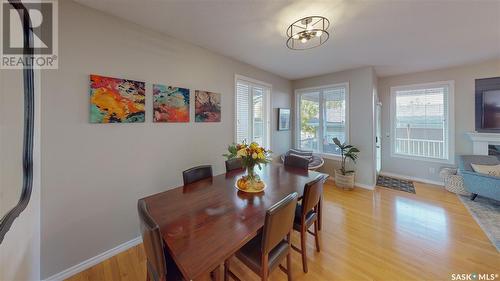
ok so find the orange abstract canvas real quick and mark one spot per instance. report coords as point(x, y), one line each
point(170, 104)
point(114, 100)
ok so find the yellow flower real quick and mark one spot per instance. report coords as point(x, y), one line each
point(241, 153)
point(254, 155)
point(260, 155)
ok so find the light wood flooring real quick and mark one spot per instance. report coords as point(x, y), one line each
point(367, 235)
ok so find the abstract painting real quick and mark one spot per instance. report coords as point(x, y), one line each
point(170, 104)
point(207, 106)
point(114, 100)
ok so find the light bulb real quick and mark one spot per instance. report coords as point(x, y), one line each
point(296, 36)
point(303, 40)
point(319, 33)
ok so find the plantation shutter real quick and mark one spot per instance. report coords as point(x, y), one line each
point(252, 117)
point(258, 115)
point(242, 111)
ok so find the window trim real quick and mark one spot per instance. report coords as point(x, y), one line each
point(267, 112)
point(300, 91)
point(450, 118)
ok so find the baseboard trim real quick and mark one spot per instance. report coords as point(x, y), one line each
point(356, 184)
point(365, 186)
point(405, 177)
point(94, 260)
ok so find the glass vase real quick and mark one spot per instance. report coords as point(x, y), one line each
point(251, 174)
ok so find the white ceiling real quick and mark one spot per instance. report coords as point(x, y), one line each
point(396, 37)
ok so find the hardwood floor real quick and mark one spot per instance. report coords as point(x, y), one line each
point(367, 235)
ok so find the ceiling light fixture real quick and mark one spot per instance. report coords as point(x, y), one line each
point(307, 33)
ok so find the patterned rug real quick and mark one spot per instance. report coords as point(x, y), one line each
point(486, 212)
point(396, 184)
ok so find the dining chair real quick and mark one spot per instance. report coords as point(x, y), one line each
point(302, 163)
point(157, 267)
point(233, 164)
point(306, 214)
point(296, 162)
point(197, 173)
point(265, 252)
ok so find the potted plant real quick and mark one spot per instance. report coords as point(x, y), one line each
point(345, 178)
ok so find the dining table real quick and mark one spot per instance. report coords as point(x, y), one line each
point(204, 223)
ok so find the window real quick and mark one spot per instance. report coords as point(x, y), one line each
point(252, 111)
point(421, 123)
point(322, 115)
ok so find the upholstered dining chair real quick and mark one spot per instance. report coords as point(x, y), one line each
point(153, 246)
point(265, 252)
point(306, 214)
point(197, 173)
point(233, 164)
point(302, 163)
point(296, 162)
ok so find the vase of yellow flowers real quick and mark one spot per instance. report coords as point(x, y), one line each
point(251, 155)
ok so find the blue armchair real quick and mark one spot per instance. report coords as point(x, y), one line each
point(477, 183)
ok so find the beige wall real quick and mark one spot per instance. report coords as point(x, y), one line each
point(361, 85)
point(464, 77)
point(93, 174)
point(11, 138)
point(20, 249)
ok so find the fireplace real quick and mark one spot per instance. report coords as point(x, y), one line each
point(485, 143)
point(494, 150)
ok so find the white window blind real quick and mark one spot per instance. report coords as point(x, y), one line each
point(242, 112)
point(322, 114)
point(252, 112)
point(421, 121)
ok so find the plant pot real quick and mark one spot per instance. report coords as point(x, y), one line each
point(344, 181)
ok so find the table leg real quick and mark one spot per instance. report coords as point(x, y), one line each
point(215, 274)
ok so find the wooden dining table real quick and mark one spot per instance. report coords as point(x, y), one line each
point(206, 222)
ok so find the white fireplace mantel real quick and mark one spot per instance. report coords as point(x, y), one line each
point(480, 141)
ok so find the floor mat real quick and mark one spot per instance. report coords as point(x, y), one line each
point(396, 184)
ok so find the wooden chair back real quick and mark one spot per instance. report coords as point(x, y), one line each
point(233, 164)
point(278, 222)
point(153, 244)
point(197, 173)
point(312, 194)
point(296, 162)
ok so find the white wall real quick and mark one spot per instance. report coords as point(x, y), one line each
point(20, 249)
point(93, 174)
point(464, 77)
point(361, 84)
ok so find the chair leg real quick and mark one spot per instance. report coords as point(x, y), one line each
point(265, 270)
point(473, 196)
point(320, 211)
point(226, 270)
point(289, 257)
point(289, 265)
point(303, 237)
point(316, 234)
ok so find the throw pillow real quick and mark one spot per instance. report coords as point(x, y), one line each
point(309, 158)
point(491, 170)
